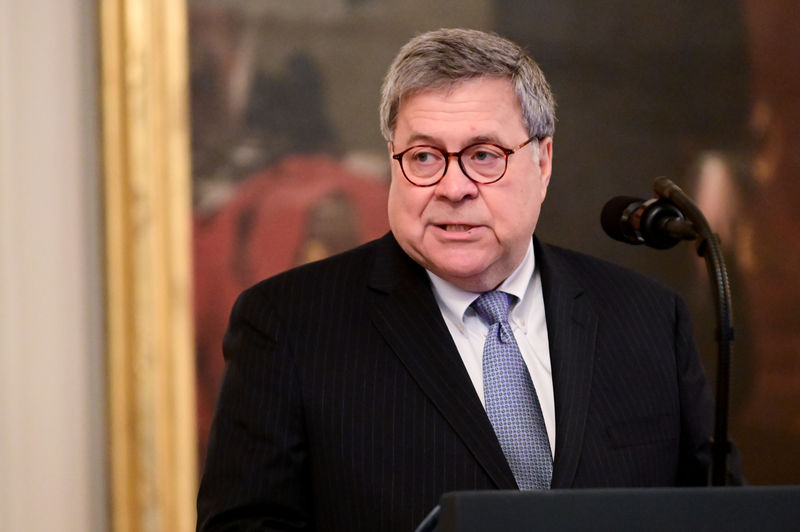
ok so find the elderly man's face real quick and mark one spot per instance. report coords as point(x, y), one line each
point(472, 235)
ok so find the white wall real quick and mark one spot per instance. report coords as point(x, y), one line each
point(52, 405)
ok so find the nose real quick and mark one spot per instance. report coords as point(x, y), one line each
point(455, 186)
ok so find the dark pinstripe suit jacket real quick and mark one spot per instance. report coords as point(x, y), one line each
point(345, 405)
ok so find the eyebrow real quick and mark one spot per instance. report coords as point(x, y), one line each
point(477, 139)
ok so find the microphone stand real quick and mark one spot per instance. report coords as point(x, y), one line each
point(709, 248)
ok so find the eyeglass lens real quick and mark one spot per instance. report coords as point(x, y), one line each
point(481, 162)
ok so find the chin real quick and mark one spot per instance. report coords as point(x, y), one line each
point(464, 276)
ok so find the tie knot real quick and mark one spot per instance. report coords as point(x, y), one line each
point(493, 306)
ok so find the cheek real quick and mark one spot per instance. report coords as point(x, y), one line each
point(518, 211)
point(407, 201)
point(402, 207)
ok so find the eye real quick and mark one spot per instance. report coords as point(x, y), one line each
point(484, 154)
point(424, 155)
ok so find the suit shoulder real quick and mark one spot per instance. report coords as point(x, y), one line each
point(601, 275)
point(316, 278)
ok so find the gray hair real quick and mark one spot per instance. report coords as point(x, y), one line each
point(443, 58)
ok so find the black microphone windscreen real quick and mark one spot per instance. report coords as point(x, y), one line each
point(611, 217)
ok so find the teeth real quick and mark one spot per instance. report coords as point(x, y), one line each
point(460, 228)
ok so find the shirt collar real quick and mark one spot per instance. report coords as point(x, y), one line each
point(455, 302)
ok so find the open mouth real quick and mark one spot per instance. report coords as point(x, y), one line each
point(456, 228)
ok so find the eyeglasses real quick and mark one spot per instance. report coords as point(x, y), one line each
point(483, 163)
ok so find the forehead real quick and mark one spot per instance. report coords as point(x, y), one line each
point(481, 107)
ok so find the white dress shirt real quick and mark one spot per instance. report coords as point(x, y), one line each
point(527, 320)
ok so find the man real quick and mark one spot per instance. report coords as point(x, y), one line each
point(360, 388)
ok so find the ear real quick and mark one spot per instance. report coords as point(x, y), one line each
point(393, 168)
point(545, 162)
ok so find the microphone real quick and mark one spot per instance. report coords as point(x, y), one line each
point(656, 222)
point(661, 223)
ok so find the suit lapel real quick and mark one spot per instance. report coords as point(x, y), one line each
point(572, 329)
point(405, 312)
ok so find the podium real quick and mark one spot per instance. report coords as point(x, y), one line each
point(651, 509)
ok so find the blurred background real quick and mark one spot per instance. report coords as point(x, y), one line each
point(289, 166)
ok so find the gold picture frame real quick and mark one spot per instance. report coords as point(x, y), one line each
point(152, 429)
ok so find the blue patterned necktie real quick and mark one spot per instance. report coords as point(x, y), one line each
point(511, 401)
